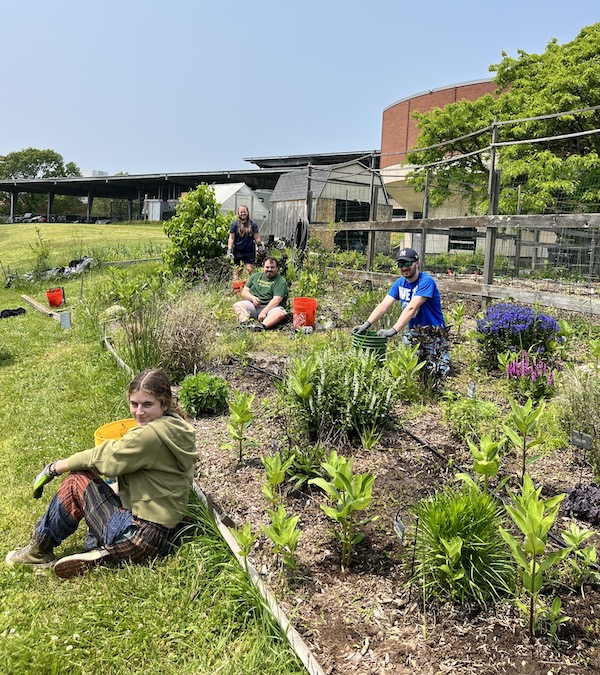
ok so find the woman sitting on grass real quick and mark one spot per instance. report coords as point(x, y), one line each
point(154, 464)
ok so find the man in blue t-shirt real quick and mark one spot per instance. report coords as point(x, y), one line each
point(420, 298)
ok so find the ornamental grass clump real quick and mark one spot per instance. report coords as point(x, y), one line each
point(459, 553)
point(510, 327)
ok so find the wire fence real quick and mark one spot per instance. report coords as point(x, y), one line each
point(539, 166)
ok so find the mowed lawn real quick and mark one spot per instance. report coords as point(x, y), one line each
point(192, 613)
point(20, 242)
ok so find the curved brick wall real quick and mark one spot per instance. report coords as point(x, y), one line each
point(399, 132)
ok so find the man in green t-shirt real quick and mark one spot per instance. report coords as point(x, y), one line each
point(264, 297)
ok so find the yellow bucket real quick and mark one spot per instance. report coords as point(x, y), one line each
point(113, 430)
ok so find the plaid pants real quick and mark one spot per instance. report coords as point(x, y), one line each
point(84, 496)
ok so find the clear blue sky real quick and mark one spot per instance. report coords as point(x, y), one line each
point(143, 86)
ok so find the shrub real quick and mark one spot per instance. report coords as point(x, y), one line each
point(460, 555)
point(341, 395)
point(306, 285)
point(578, 404)
point(203, 394)
point(468, 416)
point(198, 232)
point(135, 286)
point(384, 263)
point(352, 260)
point(509, 327)
point(189, 332)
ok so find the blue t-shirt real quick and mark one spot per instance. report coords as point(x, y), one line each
point(243, 245)
point(430, 312)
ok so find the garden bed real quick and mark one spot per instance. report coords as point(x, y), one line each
point(366, 620)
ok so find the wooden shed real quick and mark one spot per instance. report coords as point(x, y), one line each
point(337, 193)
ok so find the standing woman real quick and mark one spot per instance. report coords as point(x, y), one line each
point(242, 242)
point(154, 465)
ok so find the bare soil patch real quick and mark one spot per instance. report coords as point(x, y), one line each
point(366, 620)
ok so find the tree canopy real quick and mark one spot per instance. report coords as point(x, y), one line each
point(34, 163)
point(560, 174)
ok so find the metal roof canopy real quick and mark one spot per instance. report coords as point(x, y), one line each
point(154, 186)
point(369, 158)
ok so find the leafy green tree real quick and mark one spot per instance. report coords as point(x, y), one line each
point(562, 174)
point(34, 163)
point(198, 232)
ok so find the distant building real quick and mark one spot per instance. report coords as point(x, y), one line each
point(230, 195)
point(94, 173)
point(399, 134)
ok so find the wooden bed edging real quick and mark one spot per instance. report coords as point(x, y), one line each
point(296, 642)
point(40, 308)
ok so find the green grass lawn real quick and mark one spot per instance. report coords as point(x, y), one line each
point(193, 612)
point(70, 241)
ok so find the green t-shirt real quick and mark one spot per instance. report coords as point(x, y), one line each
point(266, 289)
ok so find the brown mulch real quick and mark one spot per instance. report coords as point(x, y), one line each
point(366, 620)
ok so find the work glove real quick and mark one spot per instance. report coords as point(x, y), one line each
point(47, 474)
point(229, 255)
point(387, 332)
point(363, 328)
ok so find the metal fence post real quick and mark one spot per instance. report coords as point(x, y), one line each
point(372, 217)
point(490, 231)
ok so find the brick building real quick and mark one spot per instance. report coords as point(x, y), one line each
point(399, 131)
point(399, 135)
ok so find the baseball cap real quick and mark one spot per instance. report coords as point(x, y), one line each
point(407, 255)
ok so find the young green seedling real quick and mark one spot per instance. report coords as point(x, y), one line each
point(522, 423)
point(275, 471)
point(350, 493)
point(485, 461)
point(583, 561)
point(240, 418)
point(534, 517)
point(284, 534)
point(245, 539)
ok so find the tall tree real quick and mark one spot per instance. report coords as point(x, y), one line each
point(34, 163)
point(559, 174)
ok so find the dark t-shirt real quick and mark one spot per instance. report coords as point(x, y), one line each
point(244, 246)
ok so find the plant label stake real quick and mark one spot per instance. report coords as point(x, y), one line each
point(584, 441)
point(581, 440)
point(471, 389)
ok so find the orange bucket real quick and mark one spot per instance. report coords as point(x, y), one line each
point(55, 297)
point(238, 285)
point(305, 310)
